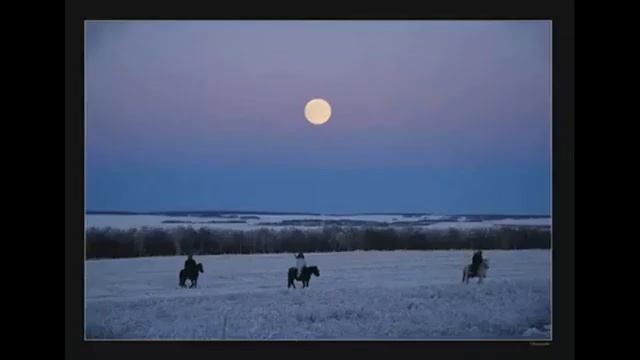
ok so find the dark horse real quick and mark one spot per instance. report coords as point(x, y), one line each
point(305, 275)
point(192, 277)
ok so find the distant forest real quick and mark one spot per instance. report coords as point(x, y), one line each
point(116, 243)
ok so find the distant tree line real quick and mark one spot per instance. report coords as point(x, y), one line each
point(116, 243)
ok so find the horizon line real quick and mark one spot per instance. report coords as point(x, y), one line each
point(153, 212)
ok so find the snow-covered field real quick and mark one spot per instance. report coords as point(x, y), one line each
point(256, 221)
point(359, 295)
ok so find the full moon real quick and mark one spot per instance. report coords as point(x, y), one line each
point(317, 111)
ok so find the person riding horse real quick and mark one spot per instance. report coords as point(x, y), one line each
point(475, 262)
point(190, 272)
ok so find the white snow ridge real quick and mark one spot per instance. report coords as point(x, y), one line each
point(361, 295)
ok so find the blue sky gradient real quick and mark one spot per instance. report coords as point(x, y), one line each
point(428, 116)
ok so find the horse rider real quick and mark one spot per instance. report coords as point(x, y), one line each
point(190, 266)
point(476, 261)
point(300, 263)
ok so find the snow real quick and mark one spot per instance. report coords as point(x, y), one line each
point(524, 222)
point(139, 221)
point(359, 295)
point(436, 217)
point(460, 225)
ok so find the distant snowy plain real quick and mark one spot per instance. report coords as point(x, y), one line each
point(279, 222)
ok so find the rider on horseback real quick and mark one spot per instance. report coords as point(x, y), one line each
point(190, 266)
point(300, 263)
point(475, 262)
